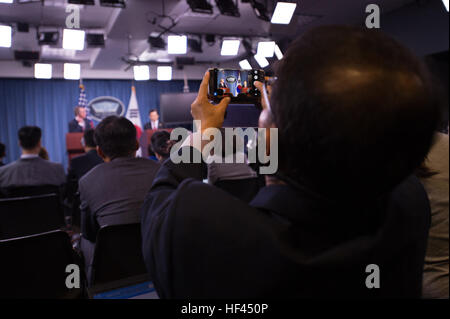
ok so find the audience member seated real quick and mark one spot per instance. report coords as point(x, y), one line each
point(113, 192)
point(434, 176)
point(161, 145)
point(355, 116)
point(30, 169)
point(82, 164)
point(2, 153)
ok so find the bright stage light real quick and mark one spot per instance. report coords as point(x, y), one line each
point(72, 71)
point(176, 44)
point(245, 65)
point(5, 36)
point(42, 71)
point(73, 39)
point(230, 47)
point(278, 52)
point(262, 61)
point(266, 49)
point(283, 13)
point(164, 73)
point(141, 72)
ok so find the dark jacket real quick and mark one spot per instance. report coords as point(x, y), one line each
point(82, 164)
point(200, 242)
point(75, 127)
point(148, 125)
point(113, 193)
point(31, 172)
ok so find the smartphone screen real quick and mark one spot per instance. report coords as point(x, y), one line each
point(233, 82)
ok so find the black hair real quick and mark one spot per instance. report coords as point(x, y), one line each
point(161, 143)
point(2, 150)
point(29, 137)
point(153, 110)
point(354, 110)
point(116, 137)
point(88, 137)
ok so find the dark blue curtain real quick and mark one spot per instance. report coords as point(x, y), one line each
point(49, 104)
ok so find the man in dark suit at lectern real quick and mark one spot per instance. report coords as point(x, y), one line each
point(80, 122)
point(154, 123)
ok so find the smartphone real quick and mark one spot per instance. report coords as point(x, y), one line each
point(236, 84)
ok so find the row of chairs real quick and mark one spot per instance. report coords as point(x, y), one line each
point(36, 250)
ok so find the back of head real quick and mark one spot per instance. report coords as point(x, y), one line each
point(161, 143)
point(116, 137)
point(29, 137)
point(88, 137)
point(354, 110)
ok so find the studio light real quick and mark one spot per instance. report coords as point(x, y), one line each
point(141, 72)
point(195, 45)
point(445, 4)
point(82, 2)
point(177, 44)
point(245, 65)
point(230, 47)
point(156, 43)
point(200, 6)
point(283, 13)
point(113, 3)
point(6, 1)
point(262, 61)
point(278, 52)
point(266, 49)
point(42, 71)
point(95, 40)
point(5, 36)
point(164, 73)
point(72, 71)
point(49, 38)
point(73, 39)
point(228, 8)
point(260, 10)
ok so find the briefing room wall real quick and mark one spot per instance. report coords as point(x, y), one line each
point(49, 105)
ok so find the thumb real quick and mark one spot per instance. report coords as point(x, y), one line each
point(224, 103)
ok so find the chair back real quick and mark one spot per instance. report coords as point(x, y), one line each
point(22, 216)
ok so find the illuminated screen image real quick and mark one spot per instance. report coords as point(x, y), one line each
point(233, 82)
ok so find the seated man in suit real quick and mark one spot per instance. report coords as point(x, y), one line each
point(2, 153)
point(82, 164)
point(30, 169)
point(113, 192)
point(80, 123)
point(154, 123)
point(355, 116)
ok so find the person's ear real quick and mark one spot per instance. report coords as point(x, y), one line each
point(100, 152)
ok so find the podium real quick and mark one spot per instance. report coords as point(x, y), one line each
point(73, 144)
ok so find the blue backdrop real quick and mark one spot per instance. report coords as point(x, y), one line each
point(49, 104)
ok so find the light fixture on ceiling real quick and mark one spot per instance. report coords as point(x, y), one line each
point(283, 13)
point(228, 8)
point(141, 72)
point(73, 39)
point(230, 47)
point(164, 73)
point(6, 1)
point(262, 61)
point(278, 52)
point(82, 2)
point(95, 40)
point(200, 6)
point(156, 43)
point(113, 3)
point(48, 37)
point(260, 10)
point(245, 65)
point(266, 49)
point(42, 71)
point(176, 44)
point(72, 71)
point(195, 45)
point(445, 2)
point(5, 36)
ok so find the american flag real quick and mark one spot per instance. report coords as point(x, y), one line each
point(82, 100)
